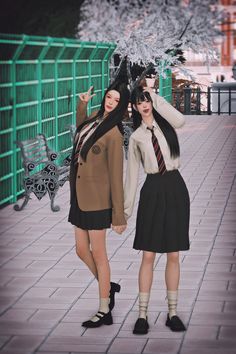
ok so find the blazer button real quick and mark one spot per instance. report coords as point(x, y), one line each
point(78, 176)
point(81, 164)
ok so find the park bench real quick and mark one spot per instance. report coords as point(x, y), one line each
point(41, 174)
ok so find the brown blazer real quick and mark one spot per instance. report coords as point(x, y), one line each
point(99, 180)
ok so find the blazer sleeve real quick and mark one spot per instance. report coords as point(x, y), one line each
point(131, 181)
point(167, 111)
point(81, 112)
point(115, 170)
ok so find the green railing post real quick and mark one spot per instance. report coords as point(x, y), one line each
point(14, 130)
point(74, 104)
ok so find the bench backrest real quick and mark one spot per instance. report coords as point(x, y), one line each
point(35, 152)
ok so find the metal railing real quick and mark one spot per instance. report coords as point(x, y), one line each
point(210, 101)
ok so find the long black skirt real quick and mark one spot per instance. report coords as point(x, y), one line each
point(89, 220)
point(163, 214)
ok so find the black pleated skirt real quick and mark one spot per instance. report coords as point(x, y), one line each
point(163, 214)
point(89, 220)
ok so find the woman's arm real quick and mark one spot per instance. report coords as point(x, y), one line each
point(81, 112)
point(131, 181)
point(167, 111)
point(115, 170)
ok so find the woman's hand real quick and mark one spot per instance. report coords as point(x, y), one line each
point(119, 229)
point(148, 89)
point(86, 96)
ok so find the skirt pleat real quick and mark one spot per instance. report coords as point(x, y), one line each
point(89, 220)
point(163, 214)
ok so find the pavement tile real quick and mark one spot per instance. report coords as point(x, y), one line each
point(28, 342)
point(212, 295)
point(127, 345)
point(202, 332)
point(217, 319)
point(17, 315)
point(208, 306)
point(20, 328)
point(227, 332)
point(161, 346)
point(230, 306)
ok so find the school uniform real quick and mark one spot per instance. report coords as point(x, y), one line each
point(163, 212)
point(97, 184)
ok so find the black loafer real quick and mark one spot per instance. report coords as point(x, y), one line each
point(104, 318)
point(175, 324)
point(141, 326)
point(115, 288)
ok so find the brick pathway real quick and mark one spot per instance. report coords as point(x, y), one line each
point(46, 292)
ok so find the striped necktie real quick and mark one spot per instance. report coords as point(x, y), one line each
point(80, 144)
point(158, 153)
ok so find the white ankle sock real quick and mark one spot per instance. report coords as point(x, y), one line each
point(172, 297)
point(103, 307)
point(143, 304)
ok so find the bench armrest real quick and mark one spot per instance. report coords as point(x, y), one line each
point(52, 155)
point(66, 161)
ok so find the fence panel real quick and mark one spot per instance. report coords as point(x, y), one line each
point(40, 80)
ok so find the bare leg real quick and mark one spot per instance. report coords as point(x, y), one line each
point(146, 272)
point(98, 244)
point(83, 249)
point(172, 273)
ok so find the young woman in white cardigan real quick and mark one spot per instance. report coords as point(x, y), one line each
point(162, 224)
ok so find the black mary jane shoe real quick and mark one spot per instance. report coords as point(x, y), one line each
point(141, 326)
point(104, 318)
point(115, 288)
point(175, 324)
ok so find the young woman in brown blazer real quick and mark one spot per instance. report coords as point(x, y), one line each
point(96, 181)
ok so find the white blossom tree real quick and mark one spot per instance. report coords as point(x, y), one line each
point(149, 32)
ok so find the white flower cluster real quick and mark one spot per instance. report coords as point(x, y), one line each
point(150, 31)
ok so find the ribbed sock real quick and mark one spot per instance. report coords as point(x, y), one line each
point(143, 304)
point(103, 307)
point(172, 297)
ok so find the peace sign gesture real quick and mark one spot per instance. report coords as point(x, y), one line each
point(86, 96)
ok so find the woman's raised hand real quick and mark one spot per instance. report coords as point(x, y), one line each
point(86, 96)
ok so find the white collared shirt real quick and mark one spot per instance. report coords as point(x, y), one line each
point(141, 150)
point(83, 131)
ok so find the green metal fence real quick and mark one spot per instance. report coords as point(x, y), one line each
point(165, 85)
point(40, 79)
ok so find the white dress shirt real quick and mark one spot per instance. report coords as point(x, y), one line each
point(141, 150)
point(83, 131)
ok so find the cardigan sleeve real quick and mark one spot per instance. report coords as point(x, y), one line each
point(167, 111)
point(115, 170)
point(131, 181)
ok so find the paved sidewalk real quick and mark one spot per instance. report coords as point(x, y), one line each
point(46, 291)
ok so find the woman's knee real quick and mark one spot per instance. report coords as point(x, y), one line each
point(82, 251)
point(173, 257)
point(148, 257)
point(99, 256)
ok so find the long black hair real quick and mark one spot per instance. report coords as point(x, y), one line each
point(113, 118)
point(139, 95)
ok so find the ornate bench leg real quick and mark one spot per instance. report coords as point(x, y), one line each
point(52, 187)
point(19, 208)
point(54, 207)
